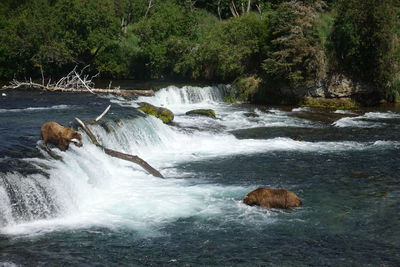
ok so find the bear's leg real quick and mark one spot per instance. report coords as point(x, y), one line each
point(63, 145)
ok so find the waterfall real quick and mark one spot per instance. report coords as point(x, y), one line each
point(89, 188)
point(85, 177)
point(172, 95)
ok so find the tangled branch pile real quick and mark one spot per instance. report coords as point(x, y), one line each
point(77, 82)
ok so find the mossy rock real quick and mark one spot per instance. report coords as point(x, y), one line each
point(203, 112)
point(243, 89)
point(163, 114)
point(330, 103)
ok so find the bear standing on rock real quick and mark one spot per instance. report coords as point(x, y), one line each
point(272, 198)
point(60, 136)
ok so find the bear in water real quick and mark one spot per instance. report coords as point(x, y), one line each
point(60, 136)
point(272, 198)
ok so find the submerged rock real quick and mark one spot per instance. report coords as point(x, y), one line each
point(272, 198)
point(298, 138)
point(163, 114)
point(251, 115)
point(202, 112)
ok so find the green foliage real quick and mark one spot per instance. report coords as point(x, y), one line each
point(296, 56)
point(243, 89)
point(51, 35)
point(230, 48)
point(365, 43)
point(330, 103)
point(167, 25)
point(121, 58)
point(324, 27)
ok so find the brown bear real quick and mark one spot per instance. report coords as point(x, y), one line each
point(60, 136)
point(272, 198)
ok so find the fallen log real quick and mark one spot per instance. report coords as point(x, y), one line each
point(120, 92)
point(134, 159)
point(77, 83)
point(120, 155)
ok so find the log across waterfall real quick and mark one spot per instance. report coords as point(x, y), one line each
point(132, 158)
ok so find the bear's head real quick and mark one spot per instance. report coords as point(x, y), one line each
point(75, 138)
point(250, 199)
point(292, 200)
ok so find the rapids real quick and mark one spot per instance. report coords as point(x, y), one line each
point(88, 208)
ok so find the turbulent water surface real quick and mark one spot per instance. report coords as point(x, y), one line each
point(91, 209)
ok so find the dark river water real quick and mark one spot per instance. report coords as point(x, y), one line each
point(91, 209)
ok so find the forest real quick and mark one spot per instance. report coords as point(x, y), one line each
point(264, 43)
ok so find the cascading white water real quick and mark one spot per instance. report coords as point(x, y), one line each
point(180, 100)
point(173, 96)
point(89, 188)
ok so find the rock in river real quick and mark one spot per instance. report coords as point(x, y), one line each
point(202, 112)
point(163, 114)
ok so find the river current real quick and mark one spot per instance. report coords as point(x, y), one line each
point(91, 209)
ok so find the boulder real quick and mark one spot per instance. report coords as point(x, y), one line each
point(272, 198)
point(202, 112)
point(163, 114)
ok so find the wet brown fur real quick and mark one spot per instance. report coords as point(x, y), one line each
point(272, 198)
point(58, 135)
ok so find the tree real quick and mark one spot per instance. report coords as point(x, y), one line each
point(365, 43)
point(39, 36)
point(296, 57)
point(166, 24)
point(227, 49)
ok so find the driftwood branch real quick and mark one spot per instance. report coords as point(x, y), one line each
point(19, 85)
point(84, 84)
point(102, 114)
point(77, 83)
point(116, 154)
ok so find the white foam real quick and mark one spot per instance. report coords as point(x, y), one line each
point(7, 264)
point(181, 100)
point(340, 111)
point(92, 189)
point(368, 120)
point(36, 108)
point(301, 109)
point(382, 115)
point(234, 120)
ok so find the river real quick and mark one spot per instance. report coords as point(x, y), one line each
point(91, 209)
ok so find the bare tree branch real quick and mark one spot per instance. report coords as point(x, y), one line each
point(75, 82)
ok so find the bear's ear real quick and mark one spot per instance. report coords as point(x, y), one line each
point(78, 136)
